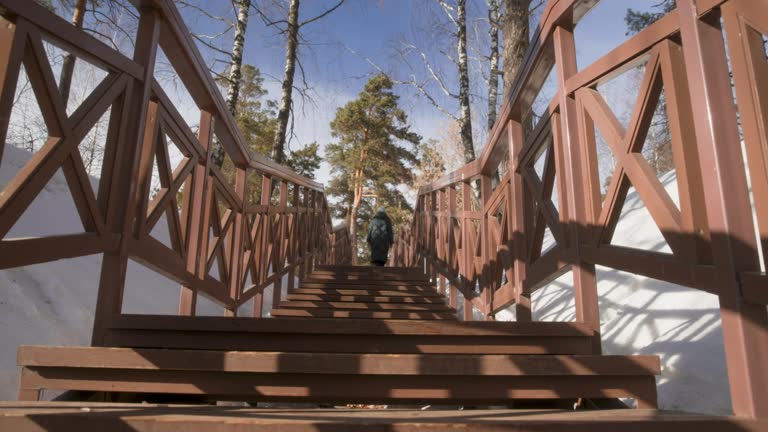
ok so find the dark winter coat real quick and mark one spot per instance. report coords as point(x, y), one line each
point(380, 236)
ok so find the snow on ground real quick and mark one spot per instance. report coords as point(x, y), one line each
point(53, 303)
point(639, 315)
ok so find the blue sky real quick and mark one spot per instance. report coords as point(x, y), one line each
point(338, 48)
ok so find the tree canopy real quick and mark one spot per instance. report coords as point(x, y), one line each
point(374, 152)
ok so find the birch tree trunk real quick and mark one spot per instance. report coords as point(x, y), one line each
point(278, 148)
point(493, 78)
point(235, 66)
point(68, 66)
point(465, 119)
point(516, 39)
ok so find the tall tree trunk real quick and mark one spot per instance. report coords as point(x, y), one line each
point(465, 120)
point(516, 39)
point(493, 78)
point(278, 149)
point(353, 225)
point(357, 199)
point(235, 66)
point(68, 66)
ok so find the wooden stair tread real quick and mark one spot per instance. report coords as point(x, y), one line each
point(331, 281)
point(333, 363)
point(298, 304)
point(370, 291)
point(364, 298)
point(330, 313)
point(351, 326)
point(160, 418)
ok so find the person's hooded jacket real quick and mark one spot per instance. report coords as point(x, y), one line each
point(380, 236)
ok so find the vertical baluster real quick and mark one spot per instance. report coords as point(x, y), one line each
point(584, 279)
point(260, 254)
point(467, 251)
point(122, 190)
point(236, 242)
point(518, 206)
point(487, 256)
point(293, 246)
point(280, 244)
point(196, 203)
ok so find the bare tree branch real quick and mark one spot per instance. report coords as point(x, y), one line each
point(449, 10)
point(185, 3)
point(311, 20)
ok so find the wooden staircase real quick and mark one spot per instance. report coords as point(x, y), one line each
point(345, 336)
point(366, 293)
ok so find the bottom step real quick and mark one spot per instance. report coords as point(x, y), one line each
point(53, 416)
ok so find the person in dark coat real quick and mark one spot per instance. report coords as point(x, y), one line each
point(380, 237)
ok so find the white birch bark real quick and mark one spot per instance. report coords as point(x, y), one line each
point(278, 148)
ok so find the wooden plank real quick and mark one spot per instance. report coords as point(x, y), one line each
point(364, 298)
point(327, 313)
point(36, 357)
point(365, 291)
point(295, 304)
point(86, 417)
point(349, 343)
point(403, 286)
point(365, 327)
point(331, 388)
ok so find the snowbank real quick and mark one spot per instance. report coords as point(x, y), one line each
point(639, 315)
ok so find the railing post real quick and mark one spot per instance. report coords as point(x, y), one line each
point(579, 217)
point(517, 206)
point(734, 248)
point(293, 245)
point(195, 203)
point(236, 241)
point(486, 284)
point(451, 255)
point(467, 253)
point(279, 244)
point(429, 244)
point(123, 190)
point(261, 253)
point(306, 229)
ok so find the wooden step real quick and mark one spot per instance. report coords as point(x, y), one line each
point(296, 304)
point(417, 290)
point(398, 276)
point(349, 335)
point(388, 292)
point(338, 378)
point(365, 298)
point(365, 282)
point(330, 313)
point(369, 269)
point(87, 417)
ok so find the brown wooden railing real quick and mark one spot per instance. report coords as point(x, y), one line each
point(253, 221)
point(489, 247)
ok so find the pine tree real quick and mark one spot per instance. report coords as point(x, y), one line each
point(637, 20)
point(306, 160)
point(374, 153)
